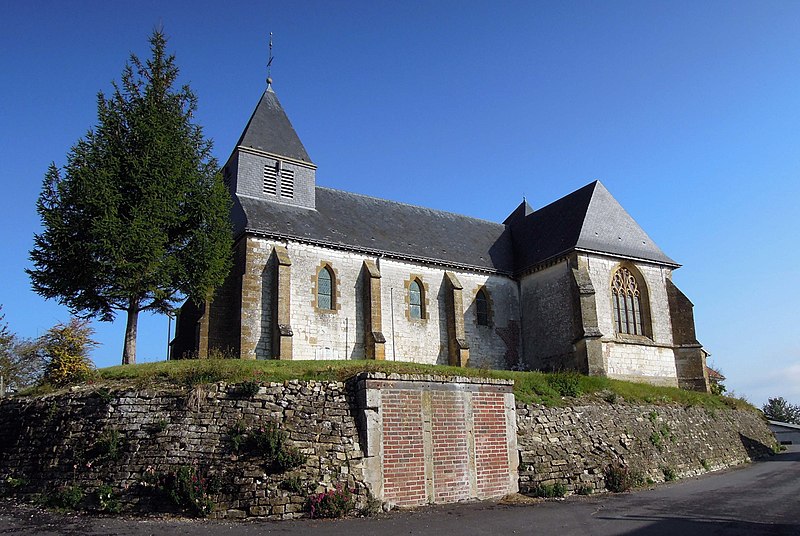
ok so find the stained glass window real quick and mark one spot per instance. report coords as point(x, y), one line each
point(627, 301)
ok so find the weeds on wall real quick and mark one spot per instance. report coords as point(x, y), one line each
point(267, 442)
point(584, 490)
point(247, 389)
point(106, 500)
point(550, 491)
point(109, 446)
point(67, 497)
point(334, 503)
point(669, 474)
point(620, 478)
point(188, 487)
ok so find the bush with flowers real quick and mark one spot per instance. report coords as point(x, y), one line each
point(189, 487)
point(337, 502)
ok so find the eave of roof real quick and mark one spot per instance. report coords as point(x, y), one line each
point(379, 227)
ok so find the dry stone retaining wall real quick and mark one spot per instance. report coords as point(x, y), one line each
point(402, 439)
point(51, 441)
point(574, 445)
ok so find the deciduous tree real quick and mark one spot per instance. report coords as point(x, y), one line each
point(778, 409)
point(137, 219)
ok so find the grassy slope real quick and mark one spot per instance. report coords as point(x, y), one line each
point(529, 387)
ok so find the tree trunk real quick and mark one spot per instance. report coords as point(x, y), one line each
point(129, 352)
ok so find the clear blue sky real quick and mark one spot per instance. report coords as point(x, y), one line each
point(689, 112)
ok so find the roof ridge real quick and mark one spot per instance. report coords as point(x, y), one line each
point(428, 209)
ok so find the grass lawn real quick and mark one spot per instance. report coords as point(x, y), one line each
point(529, 387)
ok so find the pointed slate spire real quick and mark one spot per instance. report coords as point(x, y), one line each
point(270, 131)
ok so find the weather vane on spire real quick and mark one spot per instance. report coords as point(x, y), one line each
point(269, 63)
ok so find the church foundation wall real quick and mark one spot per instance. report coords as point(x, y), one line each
point(403, 439)
point(640, 363)
point(573, 445)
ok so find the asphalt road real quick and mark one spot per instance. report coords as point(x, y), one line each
point(761, 498)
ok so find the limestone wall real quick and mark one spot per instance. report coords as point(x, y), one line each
point(54, 440)
point(409, 440)
point(573, 445)
point(339, 333)
point(547, 319)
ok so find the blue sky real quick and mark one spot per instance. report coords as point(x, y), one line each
point(689, 112)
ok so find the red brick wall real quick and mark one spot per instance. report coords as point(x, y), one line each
point(450, 450)
point(443, 443)
point(491, 444)
point(403, 452)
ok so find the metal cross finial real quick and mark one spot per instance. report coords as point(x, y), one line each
point(269, 63)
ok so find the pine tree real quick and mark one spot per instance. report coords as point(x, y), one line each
point(138, 217)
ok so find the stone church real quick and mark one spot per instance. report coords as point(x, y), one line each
point(320, 273)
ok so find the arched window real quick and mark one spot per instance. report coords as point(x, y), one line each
point(627, 302)
point(415, 300)
point(325, 289)
point(482, 308)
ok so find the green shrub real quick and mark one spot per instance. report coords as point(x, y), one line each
point(69, 497)
point(106, 500)
point(248, 389)
point(656, 440)
point(267, 442)
point(705, 465)
point(584, 490)
point(66, 348)
point(293, 483)
point(619, 478)
point(565, 383)
point(669, 474)
point(110, 445)
point(550, 490)
point(334, 503)
point(190, 488)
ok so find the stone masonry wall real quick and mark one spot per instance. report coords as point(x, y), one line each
point(574, 445)
point(407, 440)
point(51, 441)
point(340, 334)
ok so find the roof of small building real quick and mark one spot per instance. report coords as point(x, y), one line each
point(784, 424)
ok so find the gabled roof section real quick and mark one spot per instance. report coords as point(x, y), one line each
point(362, 223)
point(588, 219)
point(269, 130)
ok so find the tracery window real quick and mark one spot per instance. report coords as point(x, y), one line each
point(325, 289)
point(415, 300)
point(482, 308)
point(627, 302)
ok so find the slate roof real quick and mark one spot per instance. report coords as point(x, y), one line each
point(363, 223)
point(269, 130)
point(588, 219)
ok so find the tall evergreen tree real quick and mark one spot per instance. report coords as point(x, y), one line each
point(138, 217)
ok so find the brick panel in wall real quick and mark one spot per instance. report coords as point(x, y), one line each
point(491, 444)
point(450, 449)
point(403, 451)
point(438, 440)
